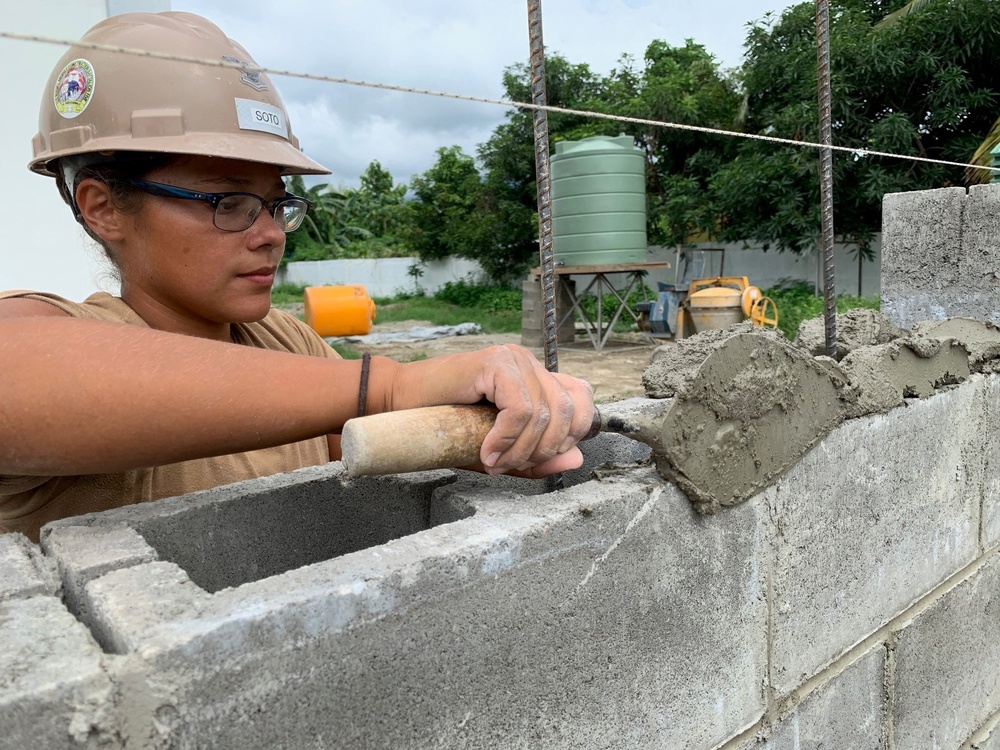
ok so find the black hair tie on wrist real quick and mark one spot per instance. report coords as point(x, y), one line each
point(366, 359)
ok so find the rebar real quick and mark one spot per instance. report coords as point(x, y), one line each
point(542, 181)
point(543, 187)
point(826, 174)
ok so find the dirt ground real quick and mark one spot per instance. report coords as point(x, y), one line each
point(615, 372)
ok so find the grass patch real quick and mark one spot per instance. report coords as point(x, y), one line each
point(440, 313)
point(287, 294)
point(345, 351)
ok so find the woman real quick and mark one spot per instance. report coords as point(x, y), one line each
point(190, 379)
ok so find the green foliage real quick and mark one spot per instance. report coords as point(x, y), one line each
point(346, 351)
point(798, 302)
point(909, 76)
point(465, 293)
point(609, 303)
point(923, 84)
point(364, 223)
point(444, 215)
point(287, 294)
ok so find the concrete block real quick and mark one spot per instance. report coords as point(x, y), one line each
point(533, 312)
point(84, 553)
point(921, 245)
point(297, 518)
point(940, 253)
point(54, 691)
point(849, 711)
point(607, 614)
point(25, 572)
point(882, 510)
point(989, 399)
point(979, 264)
point(946, 678)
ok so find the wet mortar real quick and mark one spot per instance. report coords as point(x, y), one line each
point(745, 404)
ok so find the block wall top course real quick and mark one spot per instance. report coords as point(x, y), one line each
point(607, 612)
point(24, 571)
point(610, 607)
point(940, 252)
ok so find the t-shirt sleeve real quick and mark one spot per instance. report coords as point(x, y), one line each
point(301, 338)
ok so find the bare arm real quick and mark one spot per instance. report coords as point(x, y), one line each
point(83, 396)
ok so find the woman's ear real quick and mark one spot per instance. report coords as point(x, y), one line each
point(93, 200)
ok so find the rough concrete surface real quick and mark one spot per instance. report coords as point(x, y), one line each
point(881, 511)
point(585, 618)
point(746, 405)
point(606, 615)
point(855, 328)
point(921, 244)
point(990, 457)
point(989, 740)
point(25, 572)
point(54, 692)
point(939, 255)
point(674, 368)
point(847, 712)
point(946, 678)
point(886, 374)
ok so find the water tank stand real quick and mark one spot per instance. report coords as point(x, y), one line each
point(599, 327)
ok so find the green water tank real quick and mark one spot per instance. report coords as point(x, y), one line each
point(598, 202)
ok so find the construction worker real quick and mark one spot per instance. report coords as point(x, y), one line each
point(190, 379)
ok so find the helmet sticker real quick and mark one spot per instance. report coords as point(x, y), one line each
point(74, 88)
point(249, 77)
point(260, 116)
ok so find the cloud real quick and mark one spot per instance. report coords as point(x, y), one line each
point(442, 45)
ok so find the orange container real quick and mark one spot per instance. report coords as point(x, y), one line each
point(339, 310)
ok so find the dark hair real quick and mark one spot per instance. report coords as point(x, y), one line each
point(115, 171)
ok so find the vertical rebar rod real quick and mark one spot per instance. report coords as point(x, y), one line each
point(541, 129)
point(826, 173)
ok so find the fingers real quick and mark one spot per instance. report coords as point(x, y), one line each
point(542, 415)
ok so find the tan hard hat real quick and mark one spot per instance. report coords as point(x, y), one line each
point(100, 101)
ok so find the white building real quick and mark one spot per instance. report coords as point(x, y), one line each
point(44, 248)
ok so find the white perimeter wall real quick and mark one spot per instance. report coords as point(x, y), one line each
point(43, 247)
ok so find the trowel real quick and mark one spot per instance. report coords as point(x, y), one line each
point(745, 415)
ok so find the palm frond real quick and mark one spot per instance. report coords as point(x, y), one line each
point(984, 158)
point(914, 6)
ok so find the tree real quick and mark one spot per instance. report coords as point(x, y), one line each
point(681, 84)
point(508, 159)
point(327, 230)
point(444, 215)
point(922, 85)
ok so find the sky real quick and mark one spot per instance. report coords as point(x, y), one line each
point(459, 46)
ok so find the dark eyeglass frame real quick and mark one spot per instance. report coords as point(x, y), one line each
point(215, 199)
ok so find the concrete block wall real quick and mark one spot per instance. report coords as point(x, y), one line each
point(851, 604)
point(940, 253)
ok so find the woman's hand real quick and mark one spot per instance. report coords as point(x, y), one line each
point(542, 415)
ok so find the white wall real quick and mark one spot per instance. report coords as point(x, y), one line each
point(768, 269)
point(381, 277)
point(44, 248)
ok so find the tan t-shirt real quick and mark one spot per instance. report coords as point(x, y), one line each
point(28, 503)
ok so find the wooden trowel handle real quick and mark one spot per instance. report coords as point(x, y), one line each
point(432, 437)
